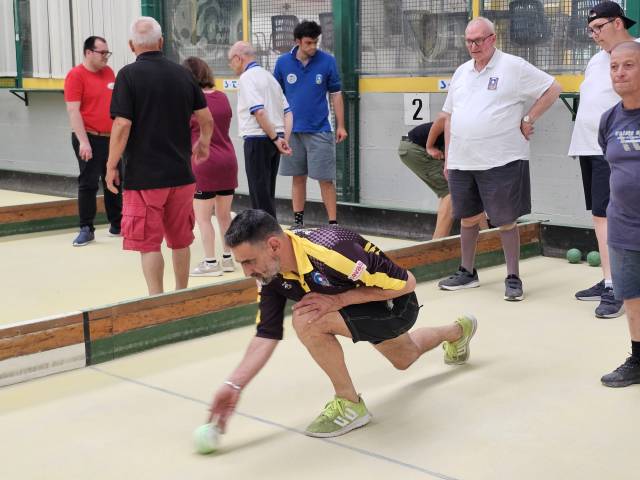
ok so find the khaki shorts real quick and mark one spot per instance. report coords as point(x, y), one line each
point(427, 168)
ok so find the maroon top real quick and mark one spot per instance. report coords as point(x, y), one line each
point(220, 170)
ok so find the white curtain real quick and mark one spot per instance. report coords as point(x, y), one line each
point(109, 19)
point(50, 38)
point(7, 40)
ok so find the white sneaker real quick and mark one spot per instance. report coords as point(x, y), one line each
point(228, 265)
point(205, 269)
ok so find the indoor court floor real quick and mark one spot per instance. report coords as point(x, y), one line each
point(528, 405)
point(45, 275)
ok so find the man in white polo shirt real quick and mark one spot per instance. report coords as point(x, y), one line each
point(264, 121)
point(608, 28)
point(487, 133)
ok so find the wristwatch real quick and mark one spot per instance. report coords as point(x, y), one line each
point(527, 119)
point(275, 139)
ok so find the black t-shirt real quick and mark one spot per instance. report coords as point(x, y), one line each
point(419, 135)
point(159, 97)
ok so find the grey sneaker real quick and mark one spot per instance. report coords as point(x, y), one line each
point(591, 294)
point(609, 307)
point(228, 265)
point(205, 269)
point(626, 374)
point(513, 289)
point(85, 236)
point(459, 280)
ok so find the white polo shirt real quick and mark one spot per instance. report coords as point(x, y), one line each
point(596, 97)
point(258, 89)
point(486, 110)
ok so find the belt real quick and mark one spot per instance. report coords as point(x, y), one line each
point(98, 134)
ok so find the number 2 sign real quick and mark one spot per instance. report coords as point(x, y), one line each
point(416, 108)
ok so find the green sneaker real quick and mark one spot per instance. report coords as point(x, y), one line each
point(339, 417)
point(457, 353)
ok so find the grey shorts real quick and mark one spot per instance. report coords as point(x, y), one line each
point(625, 273)
point(314, 155)
point(503, 192)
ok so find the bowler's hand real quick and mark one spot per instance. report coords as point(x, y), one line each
point(223, 405)
point(341, 134)
point(527, 129)
point(317, 305)
point(200, 152)
point(283, 147)
point(445, 170)
point(435, 153)
point(112, 179)
point(85, 151)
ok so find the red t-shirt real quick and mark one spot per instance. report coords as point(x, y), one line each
point(93, 91)
point(220, 171)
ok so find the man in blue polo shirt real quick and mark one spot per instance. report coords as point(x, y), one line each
point(306, 75)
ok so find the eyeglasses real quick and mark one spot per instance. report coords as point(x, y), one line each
point(104, 53)
point(596, 29)
point(478, 41)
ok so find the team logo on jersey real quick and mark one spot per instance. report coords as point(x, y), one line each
point(320, 279)
point(286, 285)
point(291, 78)
point(110, 85)
point(358, 270)
point(319, 79)
point(493, 83)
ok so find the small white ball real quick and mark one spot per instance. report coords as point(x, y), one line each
point(206, 438)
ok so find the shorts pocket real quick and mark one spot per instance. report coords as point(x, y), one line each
point(134, 218)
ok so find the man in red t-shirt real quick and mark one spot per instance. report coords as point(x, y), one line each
point(87, 92)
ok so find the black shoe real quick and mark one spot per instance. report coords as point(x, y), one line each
point(513, 289)
point(626, 374)
point(296, 226)
point(459, 280)
point(593, 293)
point(114, 231)
point(609, 307)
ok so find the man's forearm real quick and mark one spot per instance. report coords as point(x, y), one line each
point(118, 142)
point(375, 294)
point(288, 125)
point(77, 125)
point(545, 101)
point(257, 355)
point(436, 130)
point(263, 120)
point(338, 108)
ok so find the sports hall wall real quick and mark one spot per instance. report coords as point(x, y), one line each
point(396, 57)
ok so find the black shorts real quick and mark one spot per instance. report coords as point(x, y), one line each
point(503, 192)
point(376, 322)
point(207, 195)
point(595, 180)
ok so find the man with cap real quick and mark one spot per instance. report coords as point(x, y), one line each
point(608, 27)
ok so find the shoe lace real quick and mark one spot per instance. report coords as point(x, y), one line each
point(333, 408)
point(451, 349)
point(630, 363)
point(607, 297)
point(513, 282)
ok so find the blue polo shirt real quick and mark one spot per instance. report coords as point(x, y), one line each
point(306, 89)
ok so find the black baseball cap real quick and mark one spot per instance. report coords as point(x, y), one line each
point(609, 10)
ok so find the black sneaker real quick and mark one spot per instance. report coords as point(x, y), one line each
point(513, 288)
point(593, 293)
point(85, 236)
point(459, 280)
point(626, 374)
point(114, 231)
point(609, 307)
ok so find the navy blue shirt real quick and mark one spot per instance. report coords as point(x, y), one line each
point(619, 137)
point(306, 87)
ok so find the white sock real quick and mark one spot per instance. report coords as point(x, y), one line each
point(608, 283)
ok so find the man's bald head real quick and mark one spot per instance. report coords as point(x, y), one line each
point(625, 72)
point(243, 49)
point(482, 25)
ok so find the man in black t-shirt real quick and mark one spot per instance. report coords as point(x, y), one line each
point(343, 285)
point(425, 159)
point(152, 103)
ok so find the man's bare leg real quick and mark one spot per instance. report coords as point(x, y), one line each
point(153, 270)
point(181, 258)
point(444, 220)
point(328, 193)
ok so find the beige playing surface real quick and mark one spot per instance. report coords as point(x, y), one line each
point(529, 405)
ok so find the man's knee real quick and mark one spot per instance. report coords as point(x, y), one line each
point(306, 328)
point(506, 228)
point(472, 221)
